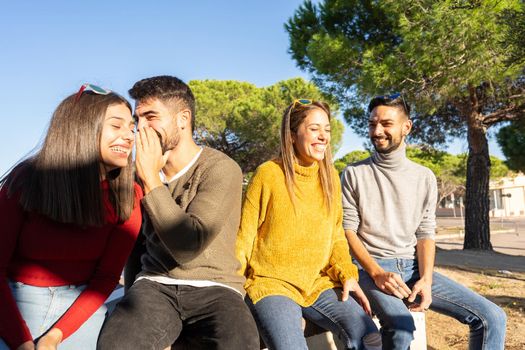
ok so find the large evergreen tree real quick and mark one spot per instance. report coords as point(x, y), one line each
point(244, 121)
point(455, 61)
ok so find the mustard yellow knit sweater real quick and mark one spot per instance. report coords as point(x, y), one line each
point(297, 254)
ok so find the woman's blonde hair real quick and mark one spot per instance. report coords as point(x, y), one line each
point(293, 117)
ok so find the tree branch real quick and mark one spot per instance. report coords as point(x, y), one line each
point(511, 113)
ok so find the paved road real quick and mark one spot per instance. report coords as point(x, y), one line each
point(512, 243)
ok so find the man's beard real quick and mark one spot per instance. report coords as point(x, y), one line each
point(392, 145)
point(170, 142)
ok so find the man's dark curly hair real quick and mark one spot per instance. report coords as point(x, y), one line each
point(396, 100)
point(167, 89)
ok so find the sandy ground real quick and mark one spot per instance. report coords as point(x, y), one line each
point(504, 289)
point(497, 275)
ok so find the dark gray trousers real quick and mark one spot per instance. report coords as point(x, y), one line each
point(153, 316)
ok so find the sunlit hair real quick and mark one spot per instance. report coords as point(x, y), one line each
point(294, 115)
point(62, 179)
point(396, 100)
point(169, 90)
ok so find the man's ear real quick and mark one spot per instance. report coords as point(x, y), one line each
point(407, 127)
point(184, 119)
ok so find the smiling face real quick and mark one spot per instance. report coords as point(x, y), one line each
point(387, 128)
point(312, 137)
point(157, 115)
point(117, 137)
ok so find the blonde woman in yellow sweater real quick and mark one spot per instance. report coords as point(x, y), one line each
point(291, 243)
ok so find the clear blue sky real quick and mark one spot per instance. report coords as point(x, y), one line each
point(49, 48)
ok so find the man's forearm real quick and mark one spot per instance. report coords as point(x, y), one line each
point(359, 252)
point(388, 282)
point(426, 252)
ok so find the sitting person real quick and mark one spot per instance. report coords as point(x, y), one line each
point(70, 215)
point(389, 205)
point(291, 242)
point(188, 287)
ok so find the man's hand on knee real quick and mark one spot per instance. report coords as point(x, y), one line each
point(423, 288)
point(392, 283)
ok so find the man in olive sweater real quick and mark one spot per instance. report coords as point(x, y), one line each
point(389, 219)
point(188, 283)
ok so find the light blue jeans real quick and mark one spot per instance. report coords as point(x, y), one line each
point(279, 320)
point(41, 307)
point(486, 320)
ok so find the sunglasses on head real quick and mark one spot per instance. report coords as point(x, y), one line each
point(302, 102)
point(393, 97)
point(93, 88)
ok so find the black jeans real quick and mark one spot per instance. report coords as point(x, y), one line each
point(152, 316)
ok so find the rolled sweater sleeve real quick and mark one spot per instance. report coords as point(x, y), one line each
point(427, 226)
point(351, 219)
point(251, 218)
point(341, 264)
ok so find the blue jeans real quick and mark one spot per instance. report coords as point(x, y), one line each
point(486, 320)
point(41, 307)
point(279, 320)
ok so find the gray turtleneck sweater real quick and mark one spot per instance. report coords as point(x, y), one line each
point(390, 202)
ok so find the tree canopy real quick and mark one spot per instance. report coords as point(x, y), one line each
point(349, 158)
point(244, 121)
point(511, 138)
point(455, 61)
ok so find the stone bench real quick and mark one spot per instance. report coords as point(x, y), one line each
point(320, 339)
point(317, 338)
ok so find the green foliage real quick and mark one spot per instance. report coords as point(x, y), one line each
point(243, 120)
point(514, 38)
point(448, 168)
point(498, 168)
point(511, 138)
point(349, 158)
point(430, 50)
point(441, 163)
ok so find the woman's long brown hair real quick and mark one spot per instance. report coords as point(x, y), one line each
point(62, 180)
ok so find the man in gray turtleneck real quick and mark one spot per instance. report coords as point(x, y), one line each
point(389, 218)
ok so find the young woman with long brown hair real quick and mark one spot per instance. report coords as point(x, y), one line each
point(291, 243)
point(70, 215)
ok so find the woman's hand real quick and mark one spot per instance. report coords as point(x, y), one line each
point(351, 286)
point(50, 340)
point(28, 345)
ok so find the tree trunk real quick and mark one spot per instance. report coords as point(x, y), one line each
point(477, 206)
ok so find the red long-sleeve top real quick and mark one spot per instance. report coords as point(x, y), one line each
point(41, 252)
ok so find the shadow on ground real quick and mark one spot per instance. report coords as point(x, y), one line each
point(481, 260)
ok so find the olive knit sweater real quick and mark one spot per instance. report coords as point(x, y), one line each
point(294, 253)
